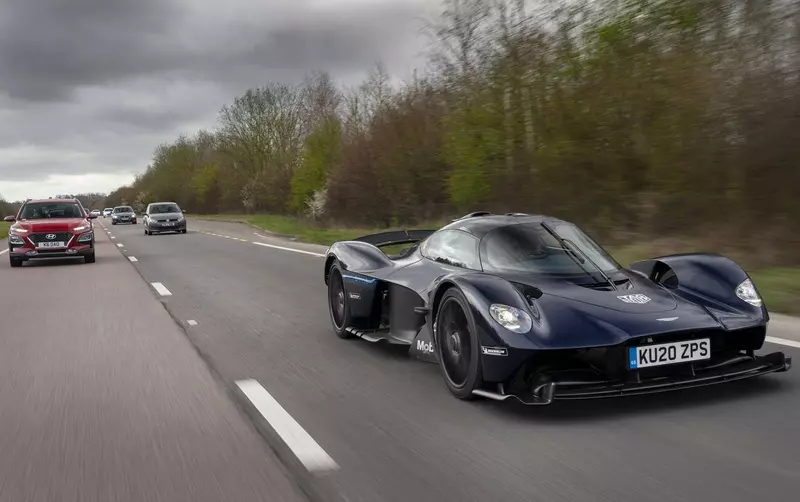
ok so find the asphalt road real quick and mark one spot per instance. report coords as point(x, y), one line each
point(395, 433)
point(103, 398)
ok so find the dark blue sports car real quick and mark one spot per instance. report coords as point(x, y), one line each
point(530, 307)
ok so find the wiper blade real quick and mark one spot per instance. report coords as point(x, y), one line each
point(571, 247)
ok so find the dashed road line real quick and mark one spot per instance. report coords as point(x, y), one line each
point(191, 322)
point(288, 249)
point(119, 245)
point(3, 252)
point(783, 341)
point(133, 259)
point(308, 451)
point(160, 289)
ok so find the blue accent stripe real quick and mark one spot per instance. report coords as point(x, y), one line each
point(632, 362)
point(358, 279)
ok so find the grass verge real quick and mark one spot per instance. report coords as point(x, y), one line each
point(4, 226)
point(780, 287)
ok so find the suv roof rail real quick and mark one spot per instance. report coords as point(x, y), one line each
point(517, 214)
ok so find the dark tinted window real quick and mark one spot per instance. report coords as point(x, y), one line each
point(123, 209)
point(43, 210)
point(528, 247)
point(453, 247)
point(164, 208)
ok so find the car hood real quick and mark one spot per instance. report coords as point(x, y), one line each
point(576, 316)
point(51, 224)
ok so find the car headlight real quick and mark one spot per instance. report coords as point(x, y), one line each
point(20, 231)
point(180, 219)
point(16, 240)
point(85, 237)
point(80, 228)
point(511, 318)
point(747, 292)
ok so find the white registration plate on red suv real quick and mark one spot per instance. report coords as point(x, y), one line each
point(47, 245)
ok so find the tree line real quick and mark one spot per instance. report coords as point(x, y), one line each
point(645, 118)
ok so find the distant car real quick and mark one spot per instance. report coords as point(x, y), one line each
point(162, 217)
point(529, 307)
point(123, 214)
point(51, 228)
point(95, 212)
point(107, 212)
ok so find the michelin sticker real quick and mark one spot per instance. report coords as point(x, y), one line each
point(494, 351)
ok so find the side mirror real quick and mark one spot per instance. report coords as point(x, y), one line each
point(91, 216)
point(10, 219)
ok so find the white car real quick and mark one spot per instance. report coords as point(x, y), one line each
point(107, 212)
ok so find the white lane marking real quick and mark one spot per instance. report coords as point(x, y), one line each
point(783, 341)
point(311, 454)
point(119, 245)
point(133, 258)
point(191, 322)
point(3, 252)
point(288, 249)
point(113, 237)
point(161, 289)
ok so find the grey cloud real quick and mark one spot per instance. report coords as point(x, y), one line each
point(92, 86)
point(49, 47)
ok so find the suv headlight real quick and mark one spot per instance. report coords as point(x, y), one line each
point(16, 240)
point(747, 292)
point(86, 237)
point(511, 318)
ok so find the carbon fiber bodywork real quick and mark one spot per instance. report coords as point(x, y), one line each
point(582, 330)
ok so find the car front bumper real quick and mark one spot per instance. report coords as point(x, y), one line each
point(25, 252)
point(573, 385)
point(159, 227)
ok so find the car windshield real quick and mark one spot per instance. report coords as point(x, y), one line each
point(164, 208)
point(45, 210)
point(123, 209)
point(529, 247)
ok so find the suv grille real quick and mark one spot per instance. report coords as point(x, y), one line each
point(60, 237)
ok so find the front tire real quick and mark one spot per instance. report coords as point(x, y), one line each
point(89, 258)
point(338, 305)
point(457, 345)
point(14, 262)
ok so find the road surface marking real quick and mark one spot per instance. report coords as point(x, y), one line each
point(288, 249)
point(191, 322)
point(113, 237)
point(133, 258)
point(119, 245)
point(783, 341)
point(311, 454)
point(163, 291)
point(3, 252)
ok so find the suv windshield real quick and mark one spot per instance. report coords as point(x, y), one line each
point(123, 209)
point(529, 247)
point(164, 208)
point(44, 210)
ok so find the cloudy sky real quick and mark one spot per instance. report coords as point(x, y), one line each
point(88, 88)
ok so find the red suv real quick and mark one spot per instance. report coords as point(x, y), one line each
point(51, 228)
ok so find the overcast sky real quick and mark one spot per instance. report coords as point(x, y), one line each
point(88, 88)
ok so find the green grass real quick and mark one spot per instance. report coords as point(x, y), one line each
point(780, 287)
point(4, 226)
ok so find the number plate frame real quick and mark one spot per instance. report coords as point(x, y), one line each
point(662, 354)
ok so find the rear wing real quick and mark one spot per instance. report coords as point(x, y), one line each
point(384, 239)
